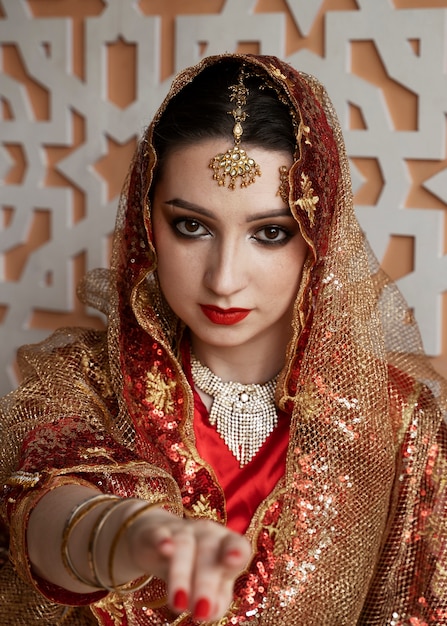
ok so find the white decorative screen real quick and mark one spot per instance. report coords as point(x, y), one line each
point(67, 131)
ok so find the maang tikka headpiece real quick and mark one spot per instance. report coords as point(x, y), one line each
point(235, 162)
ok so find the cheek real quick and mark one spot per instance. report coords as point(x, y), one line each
point(277, 289)
point(171, 271)
point(164, 244)
point(167, 266)
point(178, 269)
point(285, 281)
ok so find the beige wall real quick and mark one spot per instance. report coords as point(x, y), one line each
point(122, 58)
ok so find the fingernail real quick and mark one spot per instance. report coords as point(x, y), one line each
point(180, 600)
point(235, 553)
point(164, 543)
point(202, 609)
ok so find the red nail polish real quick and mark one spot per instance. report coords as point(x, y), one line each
point(202, 609)
point(165, 543)
point(180, 600)
point(234, 554)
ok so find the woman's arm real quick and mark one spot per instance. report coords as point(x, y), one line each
point(199, 559)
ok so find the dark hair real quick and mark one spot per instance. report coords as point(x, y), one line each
point(201, 111)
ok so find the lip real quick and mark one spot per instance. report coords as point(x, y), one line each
point(224, 317)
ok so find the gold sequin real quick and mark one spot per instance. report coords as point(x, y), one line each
point(308, 201)
point(203, 508)
point(159, 391)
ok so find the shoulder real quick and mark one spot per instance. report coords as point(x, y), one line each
point(415, 403)
point(64, 343)
point(66, 359)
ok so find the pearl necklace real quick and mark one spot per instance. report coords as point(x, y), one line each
point(244, 415)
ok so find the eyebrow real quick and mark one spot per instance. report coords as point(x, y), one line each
point(190, 206)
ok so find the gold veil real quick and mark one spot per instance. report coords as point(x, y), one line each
point(356, 531)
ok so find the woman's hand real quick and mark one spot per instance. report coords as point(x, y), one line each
point(198, 559)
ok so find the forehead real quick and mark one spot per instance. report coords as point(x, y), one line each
point(186, 174)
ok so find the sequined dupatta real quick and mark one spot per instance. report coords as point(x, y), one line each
point(350, 385)
point(355, 533)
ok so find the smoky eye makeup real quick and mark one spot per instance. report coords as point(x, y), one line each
point(188, 227)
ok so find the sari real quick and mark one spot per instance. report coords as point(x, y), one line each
point(354, 531)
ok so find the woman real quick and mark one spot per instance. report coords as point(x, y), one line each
point(258, 437)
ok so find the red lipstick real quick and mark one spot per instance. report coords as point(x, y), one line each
point(225, 317)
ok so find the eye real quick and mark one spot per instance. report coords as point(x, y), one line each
point(190, 228)
point(272, 235)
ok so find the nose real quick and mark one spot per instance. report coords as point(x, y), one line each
point(226, 271)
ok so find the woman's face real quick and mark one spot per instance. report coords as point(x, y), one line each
point(229, 261)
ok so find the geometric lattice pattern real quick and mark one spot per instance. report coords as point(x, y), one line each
point(68, 128)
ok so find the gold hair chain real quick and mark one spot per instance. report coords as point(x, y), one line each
point(235, 162)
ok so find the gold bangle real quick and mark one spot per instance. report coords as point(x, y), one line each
point(94, 536)
point(78, 513)
point(138, 583)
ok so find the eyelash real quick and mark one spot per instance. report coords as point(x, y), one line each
point(286, 235)
point(178, 223)
point(185, 220)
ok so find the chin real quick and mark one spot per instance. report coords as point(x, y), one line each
point(216, 339)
